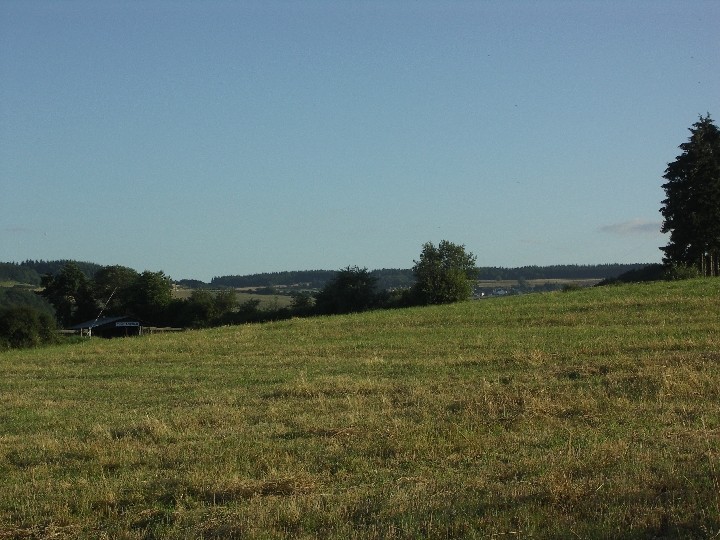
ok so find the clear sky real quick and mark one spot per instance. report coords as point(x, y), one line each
point(208, 138)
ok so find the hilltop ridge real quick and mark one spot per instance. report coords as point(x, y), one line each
point(30, 272)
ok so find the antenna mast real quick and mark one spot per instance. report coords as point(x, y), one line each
point(101, 312)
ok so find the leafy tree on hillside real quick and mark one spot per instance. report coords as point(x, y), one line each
point(352, 290)
point(204, 308)
point(113, 286)
point(152, 294)
point(443, 273)
point(195, 312)
point(302, 303)
point(71, 294)
point(119, 290)
point(692, 205)
point(224, 302)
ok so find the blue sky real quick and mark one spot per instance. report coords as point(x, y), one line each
point(216, 137)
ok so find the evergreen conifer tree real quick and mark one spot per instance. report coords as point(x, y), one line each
point(692, 205)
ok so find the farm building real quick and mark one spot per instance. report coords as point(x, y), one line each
point(111, 327)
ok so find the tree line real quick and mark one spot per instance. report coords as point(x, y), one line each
point(309, 279)
point(442, 274)
point(31, 271)
point(387, 278)
point(391, 278)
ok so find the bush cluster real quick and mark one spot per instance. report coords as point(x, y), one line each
point(23, 326)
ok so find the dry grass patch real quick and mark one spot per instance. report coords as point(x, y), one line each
point(592, 414)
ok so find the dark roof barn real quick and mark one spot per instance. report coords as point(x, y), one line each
point(111, 327)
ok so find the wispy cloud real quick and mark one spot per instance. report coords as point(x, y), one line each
point(633, 227)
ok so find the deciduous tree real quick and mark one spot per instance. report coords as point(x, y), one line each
point(152, 294)
point(113, 288)
point(352, 290)
point(71, 294)
point(443, 273)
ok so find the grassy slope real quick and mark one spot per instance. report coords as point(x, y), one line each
point(593, 413)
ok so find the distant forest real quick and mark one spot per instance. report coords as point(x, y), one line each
point(399, 278)
point(31, 271)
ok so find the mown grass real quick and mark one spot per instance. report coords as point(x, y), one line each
point(590, 414)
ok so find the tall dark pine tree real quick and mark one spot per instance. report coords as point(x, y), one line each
point(692, 205)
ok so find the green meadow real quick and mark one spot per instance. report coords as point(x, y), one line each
point(582, 414)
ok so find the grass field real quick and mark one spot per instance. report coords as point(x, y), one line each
point(586, 414)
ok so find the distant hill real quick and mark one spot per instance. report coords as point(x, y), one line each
point(15, 272)
point(31, 272)
point(397, 278)
point(313, 278)
point(558, 271)
point(54, 267)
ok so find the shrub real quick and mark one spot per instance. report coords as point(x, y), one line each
point(22, 326)
point(680, 271)
point(352, 290)
point(570, 287)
